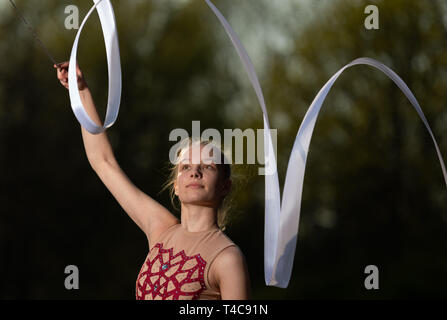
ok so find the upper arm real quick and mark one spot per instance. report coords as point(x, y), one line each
point(231, 273)
point(148, 214)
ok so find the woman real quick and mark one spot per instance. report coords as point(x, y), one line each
point(188, 259)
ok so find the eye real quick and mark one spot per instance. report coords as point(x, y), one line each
point(185, 166)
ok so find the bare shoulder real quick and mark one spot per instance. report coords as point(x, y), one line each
point(230, 256)
point(231, 274)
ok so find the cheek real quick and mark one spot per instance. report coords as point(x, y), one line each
point(214, 182)
point(179, 181)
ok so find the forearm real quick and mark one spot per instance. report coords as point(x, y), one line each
point(97, 146)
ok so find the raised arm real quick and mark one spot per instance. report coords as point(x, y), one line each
point(148, 214)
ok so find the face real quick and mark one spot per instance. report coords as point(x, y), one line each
point(200, 180)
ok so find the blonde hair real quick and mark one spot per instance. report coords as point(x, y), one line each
point(224, 207)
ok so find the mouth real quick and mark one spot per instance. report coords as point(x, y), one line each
point(194, 185)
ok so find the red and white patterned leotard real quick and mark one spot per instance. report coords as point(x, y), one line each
point(176, 267)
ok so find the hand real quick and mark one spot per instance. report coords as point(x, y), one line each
point(62, 75)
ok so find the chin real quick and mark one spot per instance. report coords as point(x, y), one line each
point(197, 200)
point(194, 200)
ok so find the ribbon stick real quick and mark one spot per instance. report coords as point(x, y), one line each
point(30, 28)
point(282, 219)
point(108, 25)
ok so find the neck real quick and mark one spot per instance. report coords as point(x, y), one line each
point(196, 218)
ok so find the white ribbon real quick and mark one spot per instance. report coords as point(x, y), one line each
point(108, 25)
point(282, 221)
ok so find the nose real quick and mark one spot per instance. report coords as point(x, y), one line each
point(195, 171)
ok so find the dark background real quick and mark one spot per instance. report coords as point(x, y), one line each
point(373, 190)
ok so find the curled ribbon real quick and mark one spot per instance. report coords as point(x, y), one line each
point(108, 25)
point(282, 219)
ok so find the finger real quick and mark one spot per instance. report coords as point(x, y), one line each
point(61, 76)
point(62, 64)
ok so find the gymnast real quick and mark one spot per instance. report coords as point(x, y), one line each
point(190, 258)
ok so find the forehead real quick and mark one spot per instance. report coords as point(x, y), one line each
point(197, 154)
